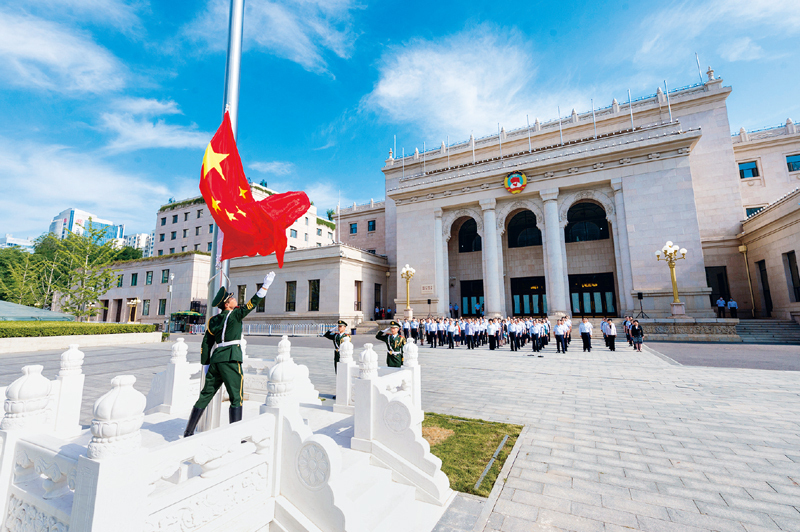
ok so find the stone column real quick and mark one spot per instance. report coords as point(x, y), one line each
point(501, 269)
point(624, 247)
point(491, 269)
point(440, 258)
point(555, 262)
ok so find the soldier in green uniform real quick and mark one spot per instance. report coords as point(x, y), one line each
point(224, 360)
point(337, 338)
point(394, 344)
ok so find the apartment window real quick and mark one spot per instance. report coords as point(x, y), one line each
point(313, 295)
point(173, 235)
point(174, 218)
point(134, 279)
point(185, 233)
point(749, 169)
point(241, 294)
point(306, 237)
point(357, 297)
point(792, 276)
point(197, 247)
point(162, 307)
point(210, 228)
point(319, 232)
point(183, 248)
point(293, 233)
point(371, 225)
point(161, 237)
point(353, 228)
point(752, 210)
point(291, 295)
point(306, 220)
point(186, 217)
point(171, 251)
point(160, 252)
point(164, 220)
point(199, 213)
point(371, 251)
point(164, 276)
point(146, 307)
point(292, 248)
point(260, 307)
point(148, 278)
point(119, 280)
point(197, 231)
point(330, 235)
point(793, 162)
point(209, 246)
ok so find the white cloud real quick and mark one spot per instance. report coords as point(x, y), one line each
point(678, 30)
point(272, 167)
point(39, 181)
point(119, 14)
point(45, 55)
point(138, 133)
point(468, 81)
point(743, 49)
point(305, 32)
point(147, 106)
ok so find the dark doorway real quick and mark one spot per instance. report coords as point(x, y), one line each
point(472, 298)
point(717, 279)
point(105, 304)
point(132, 315)
point(593, 295)
point(377, 295)
point(766, 308)
point(528, 296)
point(118, 304)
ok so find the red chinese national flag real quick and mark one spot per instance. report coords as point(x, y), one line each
point(250, 227)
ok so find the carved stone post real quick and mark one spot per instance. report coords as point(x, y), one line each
point(26, 400)
point(344, 378)
point(411, 362)
point(281, 377)
point(118, 416)
point(70, 393)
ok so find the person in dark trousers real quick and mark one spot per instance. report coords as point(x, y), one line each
point(394, 344)
point(720, 307)
point(585, 329)
point(733, 307)
point(221, 351)
point(638, 335)
point(337, 337)
point(611, 334)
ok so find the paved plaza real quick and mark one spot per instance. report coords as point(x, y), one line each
point(612, 441)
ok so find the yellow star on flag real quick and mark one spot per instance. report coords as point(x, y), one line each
point(240, 211)
point(215, 204)
point(231, 217)
point(211, 159)
point(243, 192)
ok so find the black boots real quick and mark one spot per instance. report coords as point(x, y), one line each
point(235, 414)
point(194, 419)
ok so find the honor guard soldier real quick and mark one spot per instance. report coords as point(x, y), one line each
point(394, 344)
point(221, 351)
point(337, 338)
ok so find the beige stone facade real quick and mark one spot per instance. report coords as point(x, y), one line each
point(364, 226)
point(772, 243)
point(188, 226)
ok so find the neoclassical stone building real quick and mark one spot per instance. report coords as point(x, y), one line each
point(566, 216)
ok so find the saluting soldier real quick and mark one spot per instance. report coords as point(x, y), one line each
point(394, 344)
point(221, 351)
point(337, 338)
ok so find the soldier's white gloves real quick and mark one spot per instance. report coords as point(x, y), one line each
point(268, 280)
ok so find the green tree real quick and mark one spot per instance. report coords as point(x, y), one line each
point(88, 275)
point(20, 277)
point(331, 213)
point(128, 253)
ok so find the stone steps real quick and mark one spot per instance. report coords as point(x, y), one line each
point(769, 332)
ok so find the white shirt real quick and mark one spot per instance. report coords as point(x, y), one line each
point(611, 329)
point(585, 328)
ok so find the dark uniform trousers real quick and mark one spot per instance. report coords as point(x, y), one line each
point(228, 373)
point(587, 341)
point(513, 341)
point(492, 342)
point(560, 343)
point(450, 340)
point(612, 342)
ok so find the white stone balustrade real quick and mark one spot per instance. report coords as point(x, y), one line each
point(70, 392)
point(346, 374)
point(118, 416)
point(281, 377)
point(368, 363)
point(173, 390)
point(411, 363)
point(26, 400)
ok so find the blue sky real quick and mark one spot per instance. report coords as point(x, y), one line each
point(107, 105)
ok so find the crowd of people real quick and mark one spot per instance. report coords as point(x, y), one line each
point(517, 333)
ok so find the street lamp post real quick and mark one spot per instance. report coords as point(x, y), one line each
point(671, 252)
point(169, 316)
point(407, 273)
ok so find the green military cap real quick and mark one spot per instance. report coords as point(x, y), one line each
point(342, 322)
point(221, 297)
point(394, 324)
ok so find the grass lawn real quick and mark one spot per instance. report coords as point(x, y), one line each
point(465, 446)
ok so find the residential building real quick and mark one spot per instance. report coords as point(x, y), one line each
point(364, 226)
point(139, 241)
point(8, 241)
point(77, 221)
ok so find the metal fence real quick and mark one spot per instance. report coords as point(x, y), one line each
point(277, 329)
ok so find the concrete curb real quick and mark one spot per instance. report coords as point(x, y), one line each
point(488, 508)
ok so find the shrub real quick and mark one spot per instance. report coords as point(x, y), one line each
point(17, 329)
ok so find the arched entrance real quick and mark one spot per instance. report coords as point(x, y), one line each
point(523, 259)
point(465, 258)
point(591, 260)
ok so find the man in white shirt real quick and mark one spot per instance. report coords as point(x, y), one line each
point(558, 331)
point(585, 329)
point(451, 334)
point(568, 334)
point(611, 334)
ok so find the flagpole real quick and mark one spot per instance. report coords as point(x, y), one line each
point(220, 269)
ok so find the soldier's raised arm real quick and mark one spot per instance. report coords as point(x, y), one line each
point(256, 299)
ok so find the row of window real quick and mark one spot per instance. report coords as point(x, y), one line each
point(370, 227)
point(750, 168)
point(162, 307)
point(183, 248)
point(148, 278)
point(585, 222)
point(174, 234)
point(185, 217)
point(291, 296)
